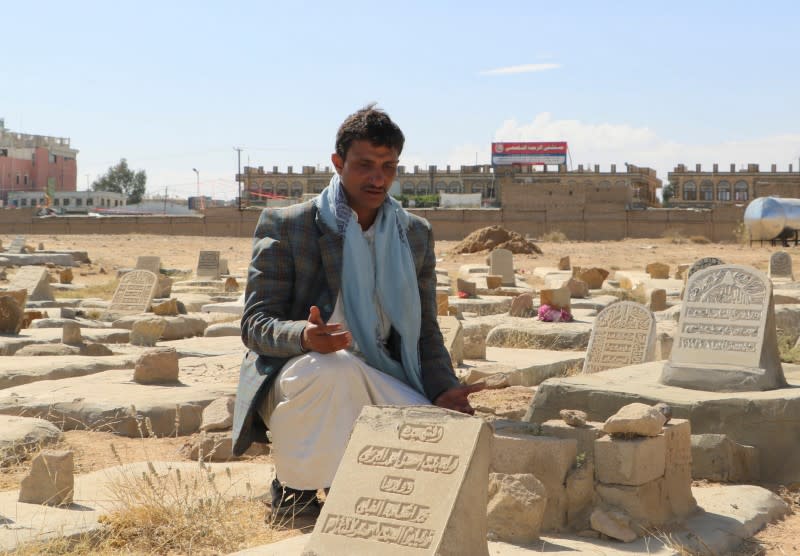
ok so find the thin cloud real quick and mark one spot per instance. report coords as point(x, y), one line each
point(525, 68)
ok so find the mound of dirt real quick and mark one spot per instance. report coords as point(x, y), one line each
point(496, 237)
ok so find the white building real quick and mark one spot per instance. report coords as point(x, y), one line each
point(68, 201)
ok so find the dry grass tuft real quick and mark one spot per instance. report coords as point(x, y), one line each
point(627, 295)
point(702, 240)
point(554, 236)
point(100, 291)
point(788, 351)
point(675, 235)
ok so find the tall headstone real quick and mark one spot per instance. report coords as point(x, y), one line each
point(35, 280)
point(17, 245)
point(453, 335)
point(726, 339)
point(151, 263)
point(413, 481)
point(700, 264)
point(134, 292)
point(780, 265)
point(501, 263)
point(208, 265)
point(624, 333)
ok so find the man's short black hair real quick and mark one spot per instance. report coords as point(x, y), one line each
point(371, 124)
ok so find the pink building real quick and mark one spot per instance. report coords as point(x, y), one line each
point(35, 163)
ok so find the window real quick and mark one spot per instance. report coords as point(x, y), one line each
point(740, 191)
point(89, 202)
point(723, 191)
point(706, 191)
point(66, 202)
point(52, 158)
point(25, 180)
point(17, 179)
point(56, 202)
point(78, 202)
point(689, 191)
point(23, 202)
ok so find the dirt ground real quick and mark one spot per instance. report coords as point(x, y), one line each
point(109, 253)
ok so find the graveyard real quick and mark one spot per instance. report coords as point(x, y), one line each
point(643, 397)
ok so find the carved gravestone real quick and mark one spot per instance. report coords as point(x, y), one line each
point(151, 263)
point(501, 263)
point(208, 265)
point(413, 481)
point(35, 280)
point(624, 333)
point(700, 264)
point(780, 265)
point(17, 246)
point(453, 335)
point(134, 292)
point(726, 339)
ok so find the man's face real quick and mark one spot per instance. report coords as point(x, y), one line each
point(367, 173)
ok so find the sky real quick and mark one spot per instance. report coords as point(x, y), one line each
point(176, 85)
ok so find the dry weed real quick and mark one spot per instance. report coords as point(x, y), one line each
point(674, 235)
point(100, 291)
point(554, 236)
point(701, 240)
point(789, 352)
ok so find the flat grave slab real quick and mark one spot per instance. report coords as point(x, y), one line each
point(111, 401)
point(232, 307)
point(523, 367)
point(94, 496)
point(484, 305)
point(11, 344)
point(536, 334)
point(768, 420)
point(719, 529)
point(40, 258)
point(18, 434)
point(18, 370)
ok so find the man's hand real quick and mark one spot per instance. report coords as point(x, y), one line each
point(456, 398)
point(323, 338)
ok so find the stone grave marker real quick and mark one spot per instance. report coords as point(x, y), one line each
point(134, 292)
point(700, 264)
point(624, 333)
point(453, 334)
point(501, 263)
point(658, 271)
point(780, 265)
point(11, 315)
point(726, 339)
point(594, 277)
point(564, 263)
point(35, 280)
point(413, 481)
point(17, 246)
point(151, 263)
point(208, 265)
point(442, 303)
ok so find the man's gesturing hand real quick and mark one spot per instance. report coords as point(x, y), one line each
point(456, 398)
point(321, 337)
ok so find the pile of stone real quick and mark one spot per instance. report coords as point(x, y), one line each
point(496, 237)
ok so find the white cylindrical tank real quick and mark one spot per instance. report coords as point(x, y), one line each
point(769, 217)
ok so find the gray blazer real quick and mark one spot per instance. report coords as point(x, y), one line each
point(297, 263)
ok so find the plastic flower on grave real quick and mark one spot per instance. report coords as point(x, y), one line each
point(463, 295)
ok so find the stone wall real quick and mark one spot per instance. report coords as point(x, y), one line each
point(589, 223)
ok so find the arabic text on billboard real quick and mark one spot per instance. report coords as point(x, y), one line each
point(504, 154)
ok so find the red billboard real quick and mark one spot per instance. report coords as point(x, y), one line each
point(553, 152)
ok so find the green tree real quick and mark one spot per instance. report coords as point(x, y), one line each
point(121, 179)
point(667, 193)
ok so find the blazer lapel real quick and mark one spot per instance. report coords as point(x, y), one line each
point(330, 249)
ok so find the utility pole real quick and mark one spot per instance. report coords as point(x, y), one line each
point(239, 173)
point(166, 189)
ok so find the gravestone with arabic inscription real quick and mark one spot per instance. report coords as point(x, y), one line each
point(624, 333)
point(501, 263)
point(726, 339)
point(134, 292)
point(702, 263)
point(35, 280)
point(208, 265)
point(17, 245)
point(413, 481)
point(780, 265)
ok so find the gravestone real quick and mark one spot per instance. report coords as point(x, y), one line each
point(658, 299)
point(522, 306)
point(700, 264)
point(624, 333)
point(208, 265)
point(657, 271)
point(17, 246)
point(780, 265)
point(726, 339)
point(151, 263)
point(558, 298)
point(467, 287)
point(594, 277)
point(134, 292)
point(35, 280)
point(453, 335)
point(564, 264)
point(501, 263)
point(413, 481)
point(442, 303)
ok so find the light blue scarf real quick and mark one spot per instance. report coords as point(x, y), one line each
point(390, 276)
